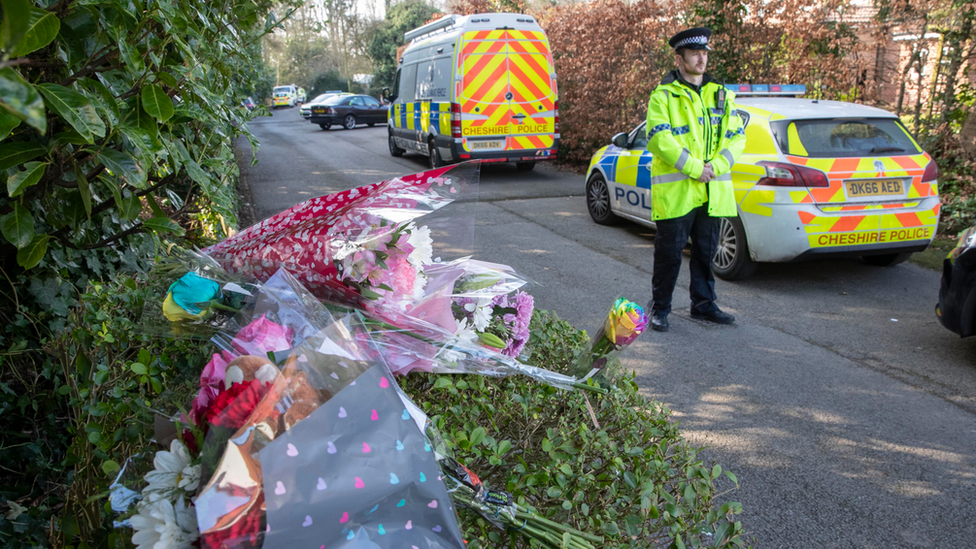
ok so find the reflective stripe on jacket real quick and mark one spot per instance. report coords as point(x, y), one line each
point(685, 130)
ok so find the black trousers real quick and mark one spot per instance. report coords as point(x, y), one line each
point(672, 235)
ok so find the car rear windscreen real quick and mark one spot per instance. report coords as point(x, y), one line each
point(844, 137)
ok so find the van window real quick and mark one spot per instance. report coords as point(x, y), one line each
point(434, 79)
point(408, 85)
point(396, 85)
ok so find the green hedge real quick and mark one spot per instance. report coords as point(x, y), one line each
point(117, 124)
point(615, 465)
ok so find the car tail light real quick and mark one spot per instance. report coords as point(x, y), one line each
point(783, 174)
point(455, 120)
point(555, 125)
point(931, 172)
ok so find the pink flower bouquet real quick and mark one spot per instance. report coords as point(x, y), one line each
point(363, 247)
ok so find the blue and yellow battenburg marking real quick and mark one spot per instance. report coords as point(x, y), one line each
point(420, 115)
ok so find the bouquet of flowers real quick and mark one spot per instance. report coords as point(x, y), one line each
point(624, 322)
point(363, 247)
point(288, 398)
point(199, 297)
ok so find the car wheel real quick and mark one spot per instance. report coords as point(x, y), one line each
point(325, 126)
point(886, 260)
point(731, 260)
point(350, 122)
point(598, 201)
point(434, 155)
point(525, 166)
point(394, 150)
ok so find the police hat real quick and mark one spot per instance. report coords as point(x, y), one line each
point(693, 39)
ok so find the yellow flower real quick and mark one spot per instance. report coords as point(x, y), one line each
point(175, 313)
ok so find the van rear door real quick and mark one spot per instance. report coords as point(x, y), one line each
point(532, 85)
point(506, 91)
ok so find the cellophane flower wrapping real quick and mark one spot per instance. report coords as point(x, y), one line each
point(621, 326)
point(196, 295)
point(365, 247)
point(325, 447)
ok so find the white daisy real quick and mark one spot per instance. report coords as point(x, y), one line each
point(161, 525)
point(173, 470)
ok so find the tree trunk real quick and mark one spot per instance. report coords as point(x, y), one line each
point(956, 58)
point(967, 136)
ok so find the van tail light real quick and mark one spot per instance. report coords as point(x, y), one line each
point(783, 174)
point(555, 127)
point(931, 172)
point(455, 120)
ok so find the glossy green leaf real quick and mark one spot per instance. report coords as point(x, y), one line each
point(163, 225)
point(18, 226)
point(22, 180)
point(31, 254)
point(124, 166)
point(16, 19)
point(157, 103)
point(42, 27)
point(168, 79)
point(13, 154)
point(69, 136)
point(133, 62)
point(477, 436)
point(197, 174)
point(20, 99)
point(109, 467)
point(7, 124)
point(76, 109)
point(109, 103)
point(129, 206)
point(83, 190)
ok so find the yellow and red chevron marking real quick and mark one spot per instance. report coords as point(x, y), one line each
point(495, 64)
point(527, 35)
point(840, 169)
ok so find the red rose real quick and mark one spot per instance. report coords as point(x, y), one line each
point(232, 407)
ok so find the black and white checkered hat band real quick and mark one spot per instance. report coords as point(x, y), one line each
point(692, 40)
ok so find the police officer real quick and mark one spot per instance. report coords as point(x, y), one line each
point(695, 135)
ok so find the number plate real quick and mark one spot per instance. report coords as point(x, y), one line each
point(876, 187)
point(496, 144)
point(318, 111)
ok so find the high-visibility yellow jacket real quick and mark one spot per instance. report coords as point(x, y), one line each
point(686, 129)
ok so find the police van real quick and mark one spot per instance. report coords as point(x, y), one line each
point(476, 87)
point(285, 96)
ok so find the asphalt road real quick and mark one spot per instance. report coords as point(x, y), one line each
point(846, 411)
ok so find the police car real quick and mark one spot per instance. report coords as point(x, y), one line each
point(817, 179)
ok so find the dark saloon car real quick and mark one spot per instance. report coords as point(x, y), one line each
point(348, 111)
point(957, 296)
